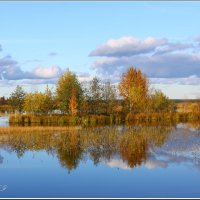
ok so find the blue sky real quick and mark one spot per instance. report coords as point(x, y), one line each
point(39, 40)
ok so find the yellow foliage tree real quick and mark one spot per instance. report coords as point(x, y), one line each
point(65, 86)
point(134, 88)
point(34, 103)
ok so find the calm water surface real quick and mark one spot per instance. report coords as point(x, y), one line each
point(117, 161)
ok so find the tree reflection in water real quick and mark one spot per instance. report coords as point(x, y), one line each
point(131, 144)
point(69, 150)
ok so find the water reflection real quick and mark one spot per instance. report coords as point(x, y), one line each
point(4, 121)
point(121, 147)
point(182, 147)
point(125, 147)
point(129, 160)
point(1, 159)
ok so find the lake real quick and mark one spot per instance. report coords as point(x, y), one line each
point(111, 161)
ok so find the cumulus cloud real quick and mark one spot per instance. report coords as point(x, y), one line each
point(159, 59)
point(11, 73)
point(173, 47)
point(7, 60)
point(190, 80)
point(84, 77)
point(47, 72)
point(39, 81)
point(165, 65)
point(128, 46)
point(10, 70)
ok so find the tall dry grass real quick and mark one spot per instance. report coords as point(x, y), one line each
point(32, 129)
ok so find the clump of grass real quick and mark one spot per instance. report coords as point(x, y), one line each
point(59, 120)
point(162, 117)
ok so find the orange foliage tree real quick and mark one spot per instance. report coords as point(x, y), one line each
point(134, 88)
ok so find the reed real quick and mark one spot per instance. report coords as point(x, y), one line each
point(93, 120)
point(61, 120)
point(162, 117)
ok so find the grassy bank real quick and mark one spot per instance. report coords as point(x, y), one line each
point(59, 120)
point(90, 120)
point(175, 117)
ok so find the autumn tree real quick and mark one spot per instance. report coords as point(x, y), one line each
point(73, 105)
point(159, 102)
point(17, 98)
point(134, 87)
point(34, 103)
point(65, 86)
point(99, 97)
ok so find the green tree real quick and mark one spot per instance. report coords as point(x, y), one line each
point(109, 96)
point(85, 104)
point(50, 102)
point(3, 101)
point(95, 95)
point(159, 102)
point(65, 86)
point(34, 103)
point(17, 98)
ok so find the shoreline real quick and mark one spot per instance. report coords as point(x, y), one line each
point(92, 120)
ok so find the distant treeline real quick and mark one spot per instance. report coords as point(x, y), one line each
point(186, 100)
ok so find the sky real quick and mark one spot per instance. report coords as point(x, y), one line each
point(40, 40)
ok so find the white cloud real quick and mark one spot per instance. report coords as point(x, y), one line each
point(127, 46)
point(47, 72)
point(157, 58)
point(173, 47)
point(38, 81)
point(190, 80)
point(84, 77)
point(7, 60)
point(157, 66)
point(10, 70)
